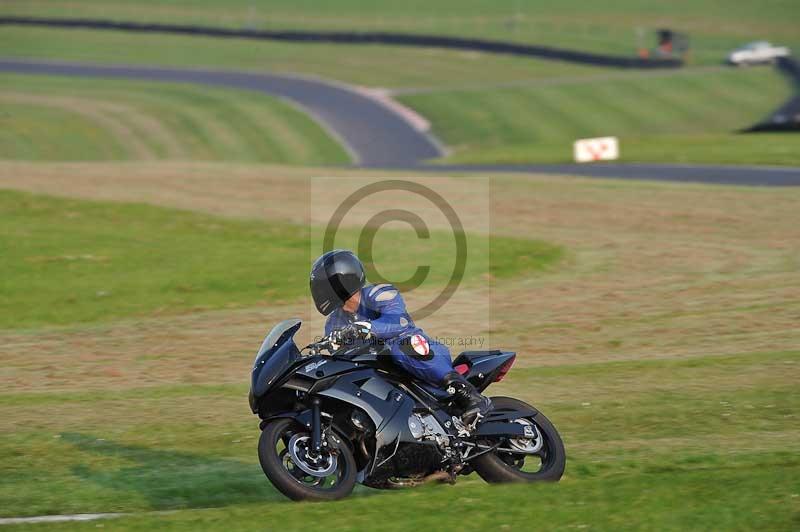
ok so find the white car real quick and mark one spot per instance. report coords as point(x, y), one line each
point(756, 53)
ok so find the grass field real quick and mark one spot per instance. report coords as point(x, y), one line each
point(50, 118)
point(490, 109)
point(715, 26)
point(73, 261)
point(709, 456)
point(770, 149)
point(691, 116)
point(663, 345)
point(151, 234)
point(383, 66)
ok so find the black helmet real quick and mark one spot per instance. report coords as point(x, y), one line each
point(335, 276)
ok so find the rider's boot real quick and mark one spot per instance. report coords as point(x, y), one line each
point(466, 397)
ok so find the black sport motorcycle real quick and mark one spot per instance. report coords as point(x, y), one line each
point(333, 416)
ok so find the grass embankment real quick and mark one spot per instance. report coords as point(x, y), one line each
point(46, 118)
point(382, 66)
point(714, 27)
point(679, 116)
point(71, 261)
point(704, 443)
point(664, 349)
point(685, 117)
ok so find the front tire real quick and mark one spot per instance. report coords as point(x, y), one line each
point(292, 478)
point(504, 466)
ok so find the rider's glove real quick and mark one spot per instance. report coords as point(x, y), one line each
point(363, 329)
point(359, 330)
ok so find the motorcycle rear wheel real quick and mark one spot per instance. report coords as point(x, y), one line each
point(338, 465)
point(504, 466)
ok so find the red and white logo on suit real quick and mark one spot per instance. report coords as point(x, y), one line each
point(420, 345)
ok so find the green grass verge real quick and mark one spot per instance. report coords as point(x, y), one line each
point(69, 261)
point(715, 27)
point(686, 117)
point(781, 149)
point(683, 116)
point(382, 66)
point(703, 443)
point(46, 118)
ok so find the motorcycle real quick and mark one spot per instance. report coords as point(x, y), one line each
point(333, 415)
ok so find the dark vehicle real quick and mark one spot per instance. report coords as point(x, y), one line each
point(334, 417)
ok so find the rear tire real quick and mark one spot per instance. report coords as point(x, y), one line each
point(289, 479)
point(498, 467)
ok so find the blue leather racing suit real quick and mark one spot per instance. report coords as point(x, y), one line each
point(383, 306)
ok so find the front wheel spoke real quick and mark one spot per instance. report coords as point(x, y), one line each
point(291, 467)
point(301, 476)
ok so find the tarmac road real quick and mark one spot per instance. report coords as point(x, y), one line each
point(373, 135)
point(377, 137)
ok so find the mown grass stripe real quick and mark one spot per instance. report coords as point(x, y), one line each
point(670, 112)
point(33, 132)
point(206, 132)
point(148, 126)
point(172, 121)
point(105, 116)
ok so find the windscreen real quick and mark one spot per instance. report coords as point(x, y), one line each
point(276, 333)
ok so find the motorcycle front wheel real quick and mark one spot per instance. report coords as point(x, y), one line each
point(287, 459)
point(524, 460)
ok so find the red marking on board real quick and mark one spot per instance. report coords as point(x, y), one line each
point(597, 153)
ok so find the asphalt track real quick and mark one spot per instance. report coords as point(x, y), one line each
point(373, 134)
point(353, 37)
point(378, 137)
point(787, 116)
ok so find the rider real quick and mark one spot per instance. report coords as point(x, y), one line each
point(361, 312)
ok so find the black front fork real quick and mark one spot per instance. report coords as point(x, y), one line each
point(316, 426)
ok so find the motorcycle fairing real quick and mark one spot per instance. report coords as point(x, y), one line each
point(387, 406)
point(321, 367)
point(278, 334)
point(484, 366)
point(277, 353)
